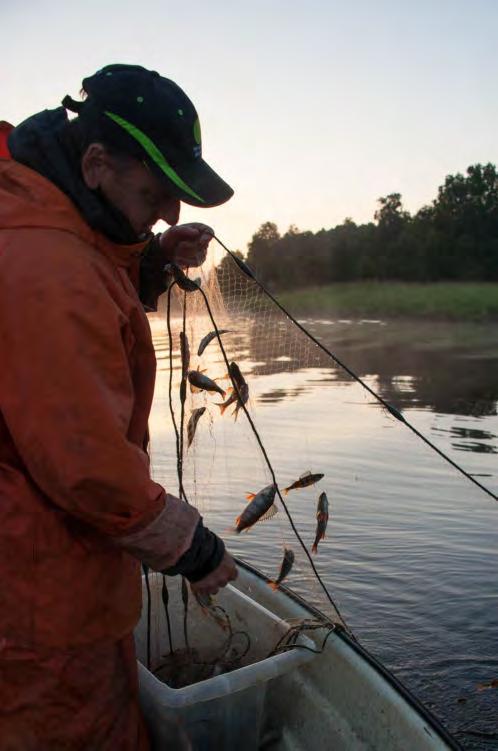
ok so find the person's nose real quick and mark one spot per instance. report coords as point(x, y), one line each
point(170, 211)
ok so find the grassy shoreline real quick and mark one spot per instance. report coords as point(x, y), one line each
point(464, 301)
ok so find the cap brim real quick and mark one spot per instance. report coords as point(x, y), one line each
point(205, 187)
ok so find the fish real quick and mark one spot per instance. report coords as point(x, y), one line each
point(322, 515)
point(209, 607)
point(287, 563)
point(192, 423)
point(306, 479)
point(200, 381)
point(260, 507)
point(183, 390)
point(205, 601)
point(244, 398)
point(195, 416)
point(188, 285)
point(485, 686)
point(209, 338)
point(185, 353)
point(238, 378)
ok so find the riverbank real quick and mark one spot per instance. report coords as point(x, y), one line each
point(444, 300)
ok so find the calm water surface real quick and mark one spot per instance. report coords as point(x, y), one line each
point(411, 554)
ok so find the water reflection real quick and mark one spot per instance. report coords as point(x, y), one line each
point(445, 367)
point(473, 439)
point(277, 395)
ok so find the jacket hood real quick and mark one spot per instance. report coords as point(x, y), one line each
point(28, 200)
point(42, 144)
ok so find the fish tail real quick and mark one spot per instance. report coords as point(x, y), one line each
point(237, 529)
point(286, 491)
point(314, 548)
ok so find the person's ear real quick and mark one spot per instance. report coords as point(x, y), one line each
point(94, 165)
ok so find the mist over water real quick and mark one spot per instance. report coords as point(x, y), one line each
point(411, 552)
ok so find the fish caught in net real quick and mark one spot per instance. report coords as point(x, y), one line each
point(217, 339)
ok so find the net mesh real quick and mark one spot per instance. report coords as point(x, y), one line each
point(225, 461)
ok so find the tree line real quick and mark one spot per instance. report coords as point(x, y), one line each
point(453, 238)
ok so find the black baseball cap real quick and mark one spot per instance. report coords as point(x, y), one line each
point(150, 117)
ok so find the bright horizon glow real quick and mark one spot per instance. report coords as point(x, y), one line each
point(311, 111)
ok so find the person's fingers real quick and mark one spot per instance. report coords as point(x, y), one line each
point(190, 256)
point(202, 227)
point(204, 591)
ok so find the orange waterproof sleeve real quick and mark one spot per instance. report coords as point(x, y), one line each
point(66, 391)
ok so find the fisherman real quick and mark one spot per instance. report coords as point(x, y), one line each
point(78, 508)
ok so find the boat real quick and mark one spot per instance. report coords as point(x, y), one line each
point(298, 681)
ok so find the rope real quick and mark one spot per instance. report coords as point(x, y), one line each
point(165, 599)
point(183, 395)
point(149, 611)
point(390, 408)
point(179, 442)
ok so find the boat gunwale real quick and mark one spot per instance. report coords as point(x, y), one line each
point(353, 643)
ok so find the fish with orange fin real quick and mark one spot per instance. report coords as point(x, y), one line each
point(304, 481)
point(287, 563)
point(200, 382)
point(209, 607)
point(243, 388)
point(489, 684)
point(261, 506)
point(322, 516)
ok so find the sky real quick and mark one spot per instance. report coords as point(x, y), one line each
point(310, 110)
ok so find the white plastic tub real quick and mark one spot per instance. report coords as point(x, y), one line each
point(224, 712)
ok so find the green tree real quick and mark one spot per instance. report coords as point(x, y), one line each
point(262, 254)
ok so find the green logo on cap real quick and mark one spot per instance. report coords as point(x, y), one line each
point(197, 132)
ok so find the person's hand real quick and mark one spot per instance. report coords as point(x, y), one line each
point(226, 572)
point(186, 244)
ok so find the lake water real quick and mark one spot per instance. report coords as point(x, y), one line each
point(411, 554)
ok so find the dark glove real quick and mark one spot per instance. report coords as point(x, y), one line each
point(204, 555)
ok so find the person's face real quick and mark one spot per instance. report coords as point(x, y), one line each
point(131, 187)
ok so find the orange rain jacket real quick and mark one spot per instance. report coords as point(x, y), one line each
point(77, 371)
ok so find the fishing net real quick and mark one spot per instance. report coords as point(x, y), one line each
point(237, 452)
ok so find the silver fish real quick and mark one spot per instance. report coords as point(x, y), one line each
point(322, 516)
point(287, 563)
point(200, 381)
point(185, 353)
point(306, 479)
point(192, 423)
point(261, 507)
point(209, 338)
